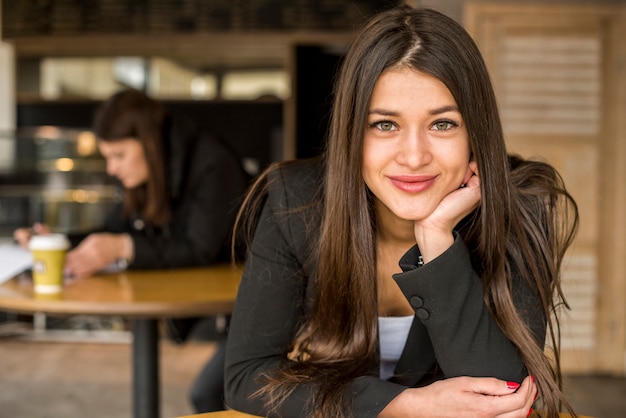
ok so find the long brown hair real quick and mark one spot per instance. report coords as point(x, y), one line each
point(525, 214)
point(132, 114)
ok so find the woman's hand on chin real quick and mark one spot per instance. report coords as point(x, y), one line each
point(434, 234)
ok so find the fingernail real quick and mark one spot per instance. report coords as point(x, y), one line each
point(512, 385)
point(529, 413)
point(533, 378)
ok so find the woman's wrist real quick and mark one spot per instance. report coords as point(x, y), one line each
point(401, 406)
point(127, 249)
point(433, 243)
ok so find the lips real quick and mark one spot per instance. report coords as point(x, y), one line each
point(412, 184)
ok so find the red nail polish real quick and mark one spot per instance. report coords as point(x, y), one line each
point(512, 385)
point(529, 413)
point(533, 378)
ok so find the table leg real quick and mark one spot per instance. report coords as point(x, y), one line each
point(145, 368)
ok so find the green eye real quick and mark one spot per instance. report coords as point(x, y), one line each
point(385, 126)
point(443, 125)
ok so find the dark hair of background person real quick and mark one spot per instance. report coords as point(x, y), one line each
point(132, 114)
point(525, 222)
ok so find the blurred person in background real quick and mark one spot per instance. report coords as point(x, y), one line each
point(181, 190)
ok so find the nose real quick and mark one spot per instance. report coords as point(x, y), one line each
point(414, 149)
point(111, 167)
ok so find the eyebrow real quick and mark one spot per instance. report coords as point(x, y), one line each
point(383, 112)
point(436, 111)
point(444, 109)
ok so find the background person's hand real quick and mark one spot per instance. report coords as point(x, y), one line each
point(464, 397)
point(23, 235)
point(93, 254)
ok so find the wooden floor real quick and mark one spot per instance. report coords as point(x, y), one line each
point(43, 379)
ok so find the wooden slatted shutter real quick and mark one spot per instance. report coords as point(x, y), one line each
point(558, 81)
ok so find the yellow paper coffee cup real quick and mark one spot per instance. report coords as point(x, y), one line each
point(48, 261)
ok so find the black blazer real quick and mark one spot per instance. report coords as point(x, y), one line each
point(452, 333)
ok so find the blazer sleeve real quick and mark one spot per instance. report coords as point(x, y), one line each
point(270, 303)
point(447, 297)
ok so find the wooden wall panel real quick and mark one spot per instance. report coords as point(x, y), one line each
point(555, 69)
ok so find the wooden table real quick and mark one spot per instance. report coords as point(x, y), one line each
point(222, 414)
point(237, 414)
point(142, 296)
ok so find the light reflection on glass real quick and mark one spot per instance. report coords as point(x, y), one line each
point(85, 143)
point(79, 196)
point(64, 164)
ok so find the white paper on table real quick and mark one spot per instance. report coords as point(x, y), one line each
point(13, 260)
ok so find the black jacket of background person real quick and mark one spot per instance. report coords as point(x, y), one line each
point(452, 332)
point(206, 182)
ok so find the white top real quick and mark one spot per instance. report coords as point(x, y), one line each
point(392, 333)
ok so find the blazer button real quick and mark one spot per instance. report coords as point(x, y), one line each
point(416, 302)
point(138, 224)
point(422, 314)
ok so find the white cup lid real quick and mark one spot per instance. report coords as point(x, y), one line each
point(49, 242)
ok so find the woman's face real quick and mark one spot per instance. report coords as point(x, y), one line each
point(416, 150)
point(126, 160)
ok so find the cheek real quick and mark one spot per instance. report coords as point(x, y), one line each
point(374, 156)
point(455, 157)
point(459, 163)
point(140, 166)
point(370, 166)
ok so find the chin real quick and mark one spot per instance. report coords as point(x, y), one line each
point(412, 214)
point(133, 185)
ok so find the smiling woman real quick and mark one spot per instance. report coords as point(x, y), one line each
point(389, 276)
point(417, 143)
